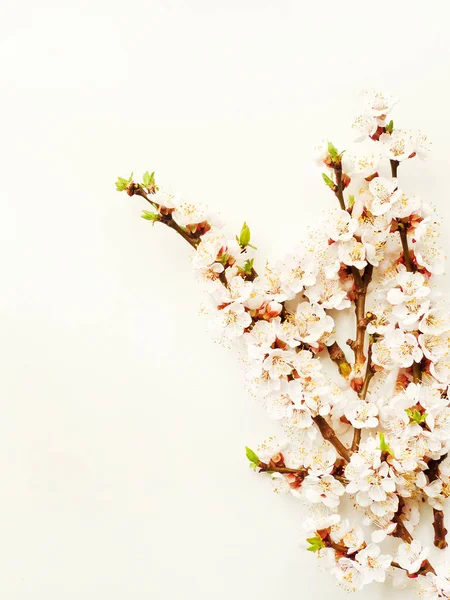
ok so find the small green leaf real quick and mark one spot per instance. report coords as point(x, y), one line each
point(390, 127)
point(328, 181)
point(333, 152)
point(248, 265)
point(351, 201)
point(148, 179)
point(384, 446)
point(122, 184)
point(224, 258)
point(150, 216)
point(244, 236)
point(315, 544)
point(251, 456)
point(415, 416)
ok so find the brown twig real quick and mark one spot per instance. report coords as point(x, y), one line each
point(329, 434)
point(432, 472)
point(404, 239)
point(402, 229)
point(339, 190)
point(338, 357)
point(439, 529)
point(274, 469)
point(417, 372)
point(394, 167)
point(362, 394)
point(361, 285)
point(401, 532)
point(135, 190)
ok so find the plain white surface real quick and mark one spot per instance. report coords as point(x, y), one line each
point(122, 425)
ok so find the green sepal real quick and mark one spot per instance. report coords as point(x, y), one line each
point(248, 266)
point(150, 216)
point(390, 127)
point(415, 416)
point(328, 181)
point(148, 179)
point(333, 152)
point(315, 544)
point(384, 446)
point(122, 184)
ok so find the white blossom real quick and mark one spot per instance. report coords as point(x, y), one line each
point(436, 320)
point(362, 163)
point(311, 322)
point(325, 489)
point(399, 145)
point(279, 363)
point(410, 286)
point(364, 126)
point(378, 104)
point(341, 227)
point(375, 564)
point(297, 272)
point(260, 338)
point(422, 145)
point(362, 414)
point(411, 556)
point(352, 253)
point(350, 573)
point(188, 213)
point(404, 348)
point(348, 534)
point(384, 194)
point(233, 319)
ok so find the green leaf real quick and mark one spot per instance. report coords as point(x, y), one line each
point(224, 258)
point(251, 456)
point(328, 181)
point(384, 446)
point(148, 179)
point(122, 184)
point(150, 216)
point(415, 416)
point(333, 152)
point(351, 201)
point(248, 265)
point(390, 127)
point(244, 236)
point(315, 544)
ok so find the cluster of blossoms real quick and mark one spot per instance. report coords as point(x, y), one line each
point(376, 429)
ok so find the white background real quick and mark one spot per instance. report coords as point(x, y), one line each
point(122, 426)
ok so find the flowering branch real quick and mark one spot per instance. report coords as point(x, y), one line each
point(283, 318)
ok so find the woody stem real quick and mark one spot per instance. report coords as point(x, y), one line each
point(338, 357)
point(363, 393)
point(438, 515)
point(339, 191)
point(192, 239)
point(329, 434)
